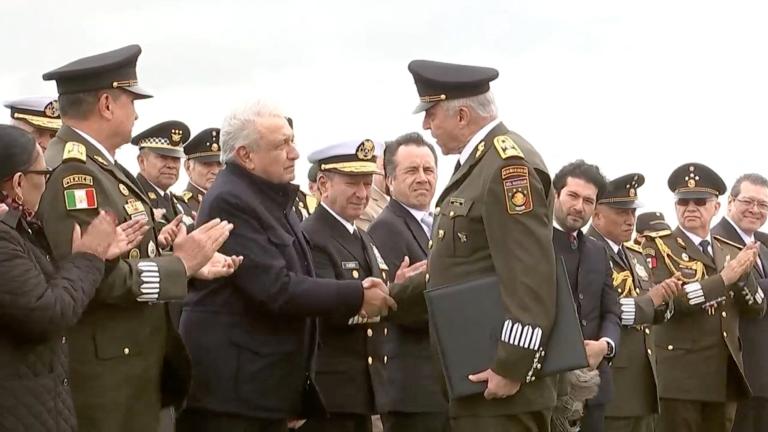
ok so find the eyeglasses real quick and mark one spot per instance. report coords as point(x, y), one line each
point(45, 173)
point(750, 203)
point(698, 202)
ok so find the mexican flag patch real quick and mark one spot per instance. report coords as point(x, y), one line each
point(78, 199)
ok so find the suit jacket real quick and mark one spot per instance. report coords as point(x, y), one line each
point(634, 366)
point(375, 206)
point(124, 338)
point(753, 331)
point(495, 217)
point(251, 335)
point(414, 377)
point(596, 300)
point(351, 360)
point(699, 350)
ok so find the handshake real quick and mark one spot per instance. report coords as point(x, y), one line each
point(376, 299)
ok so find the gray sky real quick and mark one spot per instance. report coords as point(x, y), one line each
point(631, 86)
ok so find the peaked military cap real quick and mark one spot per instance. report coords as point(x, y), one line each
point(166, 138)
point(109, 70)
point(38, 112)
point(349, 157)
point(438, 81)
point(312, 173)
point(651, 222)
point(622, 191)
point(204, 146)
point(695, 180)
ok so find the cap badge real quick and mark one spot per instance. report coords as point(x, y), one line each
point(176, 135)
point(365, 150)
point(214, 147)
point(52, 109)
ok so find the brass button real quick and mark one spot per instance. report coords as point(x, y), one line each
point(65, 383)
point(440, 233)
point(647, 330)
point(385, 331)
point(370, 360)
point(437, 211)
point(724, 314)
point(126, 351)
point(725, 334)
point(355, 274)
point(385, 359)
point(370, 333)
point(429, 245)
point(426, 277)
point(670, 347)
point(584, 322)
point(649, 351)
point(63, 340)
point(383, 275)
point(533, 379)
point(452, 213)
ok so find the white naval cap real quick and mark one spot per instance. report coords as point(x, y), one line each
point(38, 111)
point(348, 157)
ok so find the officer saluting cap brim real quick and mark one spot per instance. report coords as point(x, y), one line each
point(438, 81)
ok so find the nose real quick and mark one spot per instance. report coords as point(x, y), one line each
point(293, 153)
point(425, 122)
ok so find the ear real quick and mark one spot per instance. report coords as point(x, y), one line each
point(463, 115)
point(187, 165)
point(105, 105)
point(16, 183)
point(717, 206)
point(245, 157)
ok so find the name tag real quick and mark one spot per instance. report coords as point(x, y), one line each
point(133, 207)
point(350, 265)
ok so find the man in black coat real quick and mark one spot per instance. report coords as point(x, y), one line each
point(747, 213)
point(403, 230)
point(589, 273)
point(251, 336)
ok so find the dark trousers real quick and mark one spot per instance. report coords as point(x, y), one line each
point(415, 422)
point(630, 424)
point(693, 416)
point(209, 421)
point(339, 423)
point(752, 415)
point(593, 419)
point(537, 421)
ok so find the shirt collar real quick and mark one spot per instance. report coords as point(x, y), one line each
point(615, 247)
point(349, 226)
point(696, 239)
point(96, 144)
point(198, 187)
point(418, 214)
point(747, 239)
point(475, 140)
point(557, 225)
point(160, 191)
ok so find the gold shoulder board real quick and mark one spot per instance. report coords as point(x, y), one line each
point(634, 247)
point(186, 195)
point(507, 147)
point(73, 150)
point(657, 234)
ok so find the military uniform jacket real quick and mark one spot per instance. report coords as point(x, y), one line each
point(413, 372)
point(172, 204)
point(753, 330)
point(699, 349)
point(495, 216)
point(375, 206)
point(305, 205)
point(634, 367)
point(193, 197)
point(351, 361)
point(123, 339)
point(251, 335)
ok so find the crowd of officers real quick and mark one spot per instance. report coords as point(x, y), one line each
point(311, 316)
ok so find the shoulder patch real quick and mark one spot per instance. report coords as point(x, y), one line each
point(517, 189)
point(649, 251)
point(77, 179)
point(507, 147)
point(632, 246)
point(73, 150)
point(186, 195)
point(80, 199)
point(657, 234)
point(726, 241)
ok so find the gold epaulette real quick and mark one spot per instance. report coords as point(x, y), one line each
point(657, 234)
point(634, 247)
point(507, 147)
point(186, 195)
point(726, 241)
point(73, 150)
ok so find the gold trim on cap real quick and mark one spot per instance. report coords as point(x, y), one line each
point(438, 98)
point(194, 155)
point(39, 121)
point(617, 199)
point(355, 167)
point(126, 83)
point(698, 189)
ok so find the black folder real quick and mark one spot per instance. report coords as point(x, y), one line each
point(467, 319)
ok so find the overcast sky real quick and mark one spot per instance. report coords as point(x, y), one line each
point(631, 86)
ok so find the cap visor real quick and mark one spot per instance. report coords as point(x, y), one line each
point(694, 194)
point(625, 204)
point(166, 152)
point(205, 159)
point(423, 106)
point(139, 92)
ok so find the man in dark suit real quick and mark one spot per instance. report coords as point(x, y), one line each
point(747, 213)
point(635, 401)
point(352, 356)
point(577, 186)
point(401, 231)
point(251, 336)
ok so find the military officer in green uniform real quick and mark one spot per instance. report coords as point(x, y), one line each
point(203, 164)
point(160, 154)
point(125, 359)
point(700, 370)
point(494, 216)
point(635, 401)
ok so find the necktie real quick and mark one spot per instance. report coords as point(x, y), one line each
point(574, 241)
point(426, 222)
point(622, 257)
point(704, 245)
point(456, 167)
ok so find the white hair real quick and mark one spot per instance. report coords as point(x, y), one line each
point(483, 105)
point(240, 127)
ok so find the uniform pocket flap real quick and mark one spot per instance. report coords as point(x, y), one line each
point(457, 207)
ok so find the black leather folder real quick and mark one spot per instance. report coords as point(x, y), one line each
point(467, 320)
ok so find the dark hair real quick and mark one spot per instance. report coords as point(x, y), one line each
point(580, 170)
point(391, 148)
point(80, 105)
point(755, 179)
point(17, 151)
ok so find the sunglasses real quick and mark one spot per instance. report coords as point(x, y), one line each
point(45, 173)
point(698, 202)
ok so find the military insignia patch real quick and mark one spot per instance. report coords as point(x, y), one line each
point(685, 256)
point(74, 151)
point(680, 242)
point(640, 270)
point(80, 199)
point(355, 274)
point(134, 207)
point(140, 215)
point(152, 195)
point(379, 259)
point(52, 109)
point(479, 151)
point(186, 195)
point(100, 160)
point(77, 179)
point(350, 265)
point(134, 254)
point(151, 249)
point(517, 189)
point(507, 147)
point(365, 150)
point(123, 189)
point(214, 147)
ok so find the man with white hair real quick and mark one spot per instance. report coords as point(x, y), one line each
point(251, 336)
point(494, 217)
